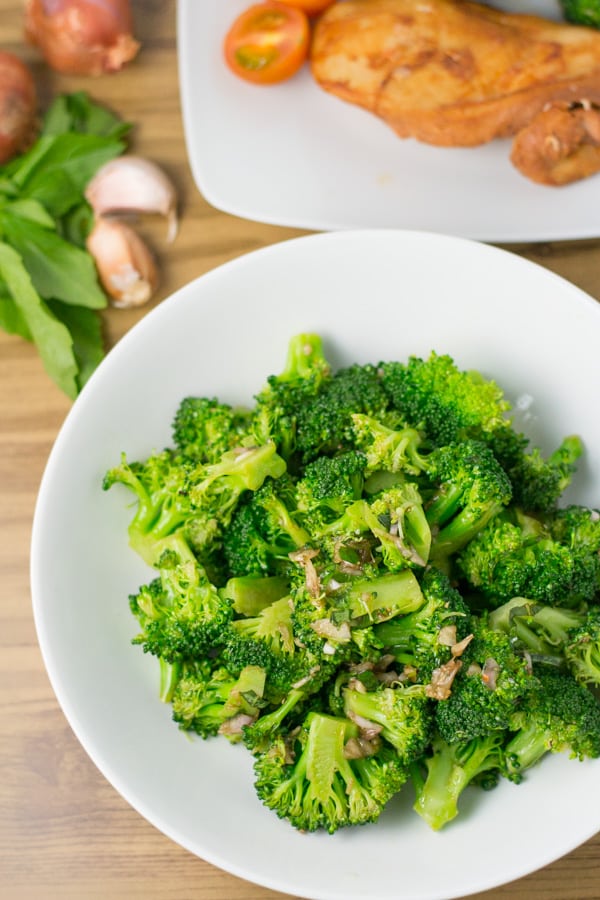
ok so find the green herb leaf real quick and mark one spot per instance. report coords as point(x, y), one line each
point(52, 338)
point(76, 112)
point(85, 327)
point(57, 169)
point(11, 318)
point(58, 269)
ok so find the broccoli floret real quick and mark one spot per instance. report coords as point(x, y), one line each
point(263, 532)
point(540, 629)
point(517, 556)
point(539, 482)
point(451, 405)
point(560, 716)
point(449, 769)
point(325, 426)
point(578, 528)
point(423, 640)
point(490, 684)
point(161, 487)
point(328, 486)
point(390, 530)
point(397, 449)
point(279, 403)
point(268, 640)
point(402, 714)
point(310, 781)
point(581, 12)
point(582, 648)
point(181, 613)
point(448, 404)
point(204, 429)
point(211, 701)
point(218, 486)
point(470, 489)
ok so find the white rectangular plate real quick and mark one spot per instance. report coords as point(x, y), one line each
point(293, 155)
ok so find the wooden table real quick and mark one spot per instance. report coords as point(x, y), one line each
point(64, 831)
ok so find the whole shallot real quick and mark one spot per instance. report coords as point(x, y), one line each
point(82, 37)
point(18, 105)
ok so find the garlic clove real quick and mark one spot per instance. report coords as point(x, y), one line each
point(131, 184)
point(125, 265)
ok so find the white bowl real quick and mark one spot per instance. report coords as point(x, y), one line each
point(373, 295)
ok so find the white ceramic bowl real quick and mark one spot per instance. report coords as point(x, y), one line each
point(372, 295)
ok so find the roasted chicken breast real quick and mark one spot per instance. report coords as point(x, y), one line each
point(454, 72)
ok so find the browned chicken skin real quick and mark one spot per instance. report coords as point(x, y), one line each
point(458, 73)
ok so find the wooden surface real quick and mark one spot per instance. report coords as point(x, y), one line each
point(64, 831)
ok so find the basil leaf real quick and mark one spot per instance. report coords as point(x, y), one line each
point(85, 327)
point(57, 169)
point(32, 210)
point(76, 112)
point(58, 269)
point(52, 338)
point(11, 318)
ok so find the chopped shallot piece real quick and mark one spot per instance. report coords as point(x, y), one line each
point(447, 635)
point(459, 649)
point(368, 729)
point(236, 724)
point(489, 673)
point(360, 747)
point(441, 680)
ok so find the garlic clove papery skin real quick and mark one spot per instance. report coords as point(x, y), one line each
point(125, 265)
point(131, 184)
point(82, 37)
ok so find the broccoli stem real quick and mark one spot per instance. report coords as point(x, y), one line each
point(386, 596)
point(525, 749)
point(450, 769)
point(250, 594)
point(169, 675)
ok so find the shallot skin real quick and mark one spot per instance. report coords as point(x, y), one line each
point(82, 37)
point(18, 106)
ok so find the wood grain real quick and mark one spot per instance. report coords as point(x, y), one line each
point(64, 831)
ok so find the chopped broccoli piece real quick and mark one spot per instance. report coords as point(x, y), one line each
point(561, 716)
point(423, 640)
point(249, 594)
point(311, 781)
point(402, 714)
point(449, 769)
point(263, 532)
point(470, 489)
point(181, 614)
point(204, 429)
point(492, 681)
point(448, 404)
point(582, 648)
point(211, 701)
point(581, 12)
point(517, 556)
point(325, 426)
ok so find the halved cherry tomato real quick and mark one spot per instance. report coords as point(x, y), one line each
point(312, 7)
point(267, 43)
